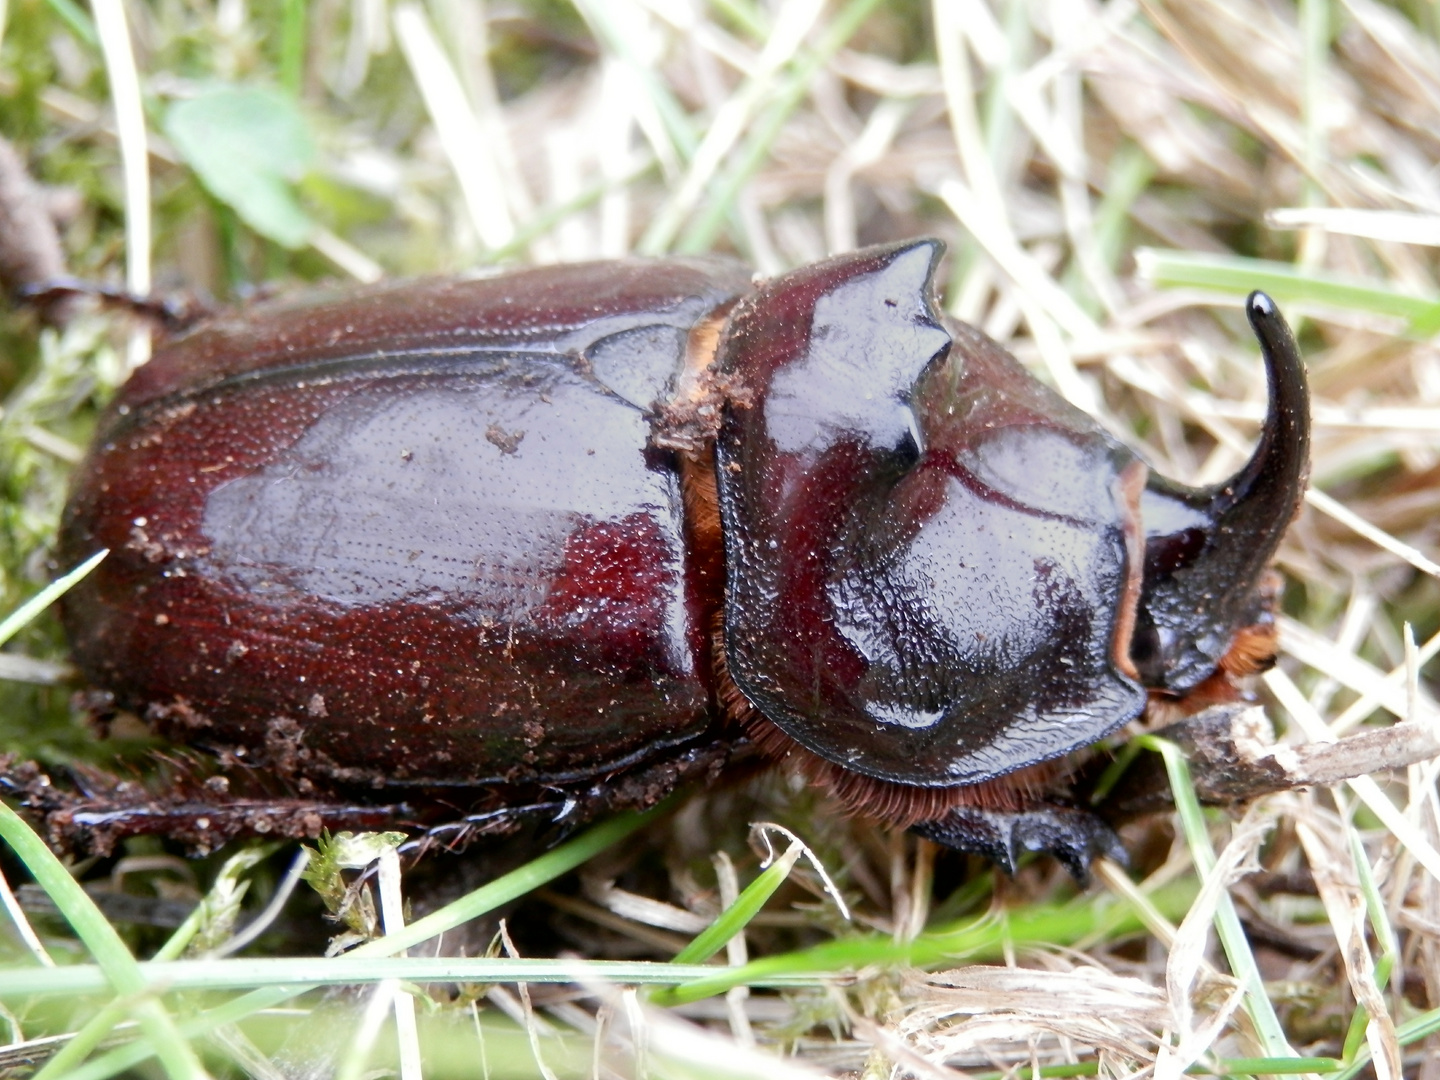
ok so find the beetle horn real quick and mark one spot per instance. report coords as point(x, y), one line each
point(1206, 549)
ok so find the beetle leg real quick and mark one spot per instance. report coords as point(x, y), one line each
point(1075, 837)
point(200, 815)
point(457, 835)
point(173, 314)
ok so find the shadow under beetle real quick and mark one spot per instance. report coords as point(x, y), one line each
point(440, 553)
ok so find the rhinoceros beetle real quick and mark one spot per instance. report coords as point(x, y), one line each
point(443, 553)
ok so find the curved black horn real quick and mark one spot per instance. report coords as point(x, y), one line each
point(1207, 549)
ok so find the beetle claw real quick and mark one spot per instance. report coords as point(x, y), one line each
point(457, 835)
point(1075, 837)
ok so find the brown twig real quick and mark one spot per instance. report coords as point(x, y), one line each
point(30, 250)
point(1233, 759)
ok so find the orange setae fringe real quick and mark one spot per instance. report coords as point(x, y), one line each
point(897, 805)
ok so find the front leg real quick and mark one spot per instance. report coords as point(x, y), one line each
point(1075, 837)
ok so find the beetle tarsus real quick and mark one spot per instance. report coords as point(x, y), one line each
point(1075, 837)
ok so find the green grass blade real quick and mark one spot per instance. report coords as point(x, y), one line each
point(232, 1012)
point(304, 972)
point(22, 616)
point(700, 237)
point(738, 915)
point(78, 20)
point(1407, 1034)
point(503, 889)
point(1236, 274)
point(1384, 936)
point(1355, 1033)
point(546, 220)
point(1227, 921)
point(976, 941)
point(1375, 908)
point(294, 15)
point(95, 1030)
point(609, 22)
point(90, 925)
point(1129, 174)
point(1266, 1066)
point(515, 884)
point(745, 15)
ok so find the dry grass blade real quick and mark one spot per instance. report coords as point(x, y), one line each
point(1187, 977)
point(459, 130)
point(1007, 1014)
point(1339, 887)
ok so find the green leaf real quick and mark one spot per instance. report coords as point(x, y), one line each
point(248, 145)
